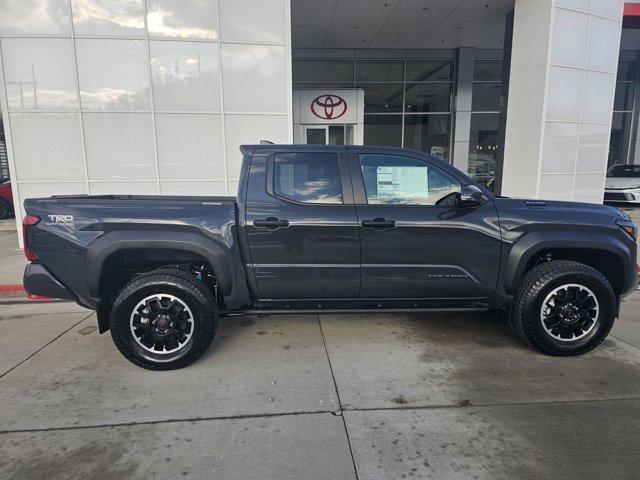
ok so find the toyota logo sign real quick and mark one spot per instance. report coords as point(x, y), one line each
point(328, 106)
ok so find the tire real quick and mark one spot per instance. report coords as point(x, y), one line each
point(163, 320)
point(5, 209)
point(579, 308)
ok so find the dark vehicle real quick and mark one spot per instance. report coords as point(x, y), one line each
point(6, 200)
point(330, 229)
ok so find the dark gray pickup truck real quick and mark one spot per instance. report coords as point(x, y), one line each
point(330, 229)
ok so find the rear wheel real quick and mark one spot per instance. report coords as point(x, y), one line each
point(163, 320)
point(564, 308)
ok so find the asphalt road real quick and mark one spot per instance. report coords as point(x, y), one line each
point(317, 397)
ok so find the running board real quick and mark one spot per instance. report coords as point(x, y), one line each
point(306, 311)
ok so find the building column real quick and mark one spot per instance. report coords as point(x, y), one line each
point(466, 57)
point(562, 82)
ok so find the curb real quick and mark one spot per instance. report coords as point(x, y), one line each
point(12, 288)
point(16, 290)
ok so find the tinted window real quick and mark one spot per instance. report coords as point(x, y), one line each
point(624, 171)
point(307, 177)
point(398, 180)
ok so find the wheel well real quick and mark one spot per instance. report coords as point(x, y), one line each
point(122, 266)
point(606, 263)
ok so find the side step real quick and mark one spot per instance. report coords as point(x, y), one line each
point(304, 311)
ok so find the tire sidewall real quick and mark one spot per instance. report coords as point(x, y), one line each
point(604, 321)
point(121, 313)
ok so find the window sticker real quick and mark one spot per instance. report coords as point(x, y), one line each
point(403, 182)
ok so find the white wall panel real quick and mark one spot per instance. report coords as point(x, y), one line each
point(251, 21)
point(39, 73)
point(250, 129)
point(253, 78)
point(108, 17)
point(186, 75)
point(35, 17)
point(47, 146)
point(190, 146)
point(120, 131)
point(119, 146)
point(113, 74)
point(180, 19)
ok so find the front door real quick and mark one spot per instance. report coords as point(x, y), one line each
point(301, 226)
point(412, 244)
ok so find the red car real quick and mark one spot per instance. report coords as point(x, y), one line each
point(6, 200)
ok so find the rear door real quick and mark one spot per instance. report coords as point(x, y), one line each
point(411, 246)
point(301, 225)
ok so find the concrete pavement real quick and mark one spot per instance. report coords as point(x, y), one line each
point(12, 260)
point(334, 396)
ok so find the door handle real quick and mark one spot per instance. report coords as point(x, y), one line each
point(271, 223)
point(379, 222)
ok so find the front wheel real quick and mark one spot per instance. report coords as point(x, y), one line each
point(564, 308)
point(163, 320)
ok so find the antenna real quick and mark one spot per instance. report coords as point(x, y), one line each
point(266, 142)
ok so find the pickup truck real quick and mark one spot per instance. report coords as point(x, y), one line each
point(330, 229)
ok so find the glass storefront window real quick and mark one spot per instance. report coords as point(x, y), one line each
point(487, 70)
point(485, 117)
point(407, 102)
point(627, 71)
point(624, 96)
point(483, 147)
point(486, 97)
point(429, 70)
point(622, 141)
point(382, 97)
point(428, 97)
point(379, 71)
point(322, 71)
point(383, 130)
point(619, 142)
point(429, 133)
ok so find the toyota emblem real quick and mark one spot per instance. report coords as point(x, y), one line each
point(328, 106)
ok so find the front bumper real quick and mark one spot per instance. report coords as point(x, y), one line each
point(38, 280)
point(631, 195)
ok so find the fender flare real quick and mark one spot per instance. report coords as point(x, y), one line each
point(220, 257)
point(533, 243)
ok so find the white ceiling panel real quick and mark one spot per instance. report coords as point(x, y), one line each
point(310, 20)
point(411, 20)
point(355, 23)
point(398, 23)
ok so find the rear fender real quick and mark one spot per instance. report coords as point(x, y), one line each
point(225, 262)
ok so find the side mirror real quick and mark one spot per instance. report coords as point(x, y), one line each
point(471, 197)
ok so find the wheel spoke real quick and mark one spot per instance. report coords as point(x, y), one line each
point(168, 324)
point(175, 307)
point(569, 312)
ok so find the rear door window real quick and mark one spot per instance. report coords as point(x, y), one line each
point(308, 178)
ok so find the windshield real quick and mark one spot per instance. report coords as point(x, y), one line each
point(624, 171)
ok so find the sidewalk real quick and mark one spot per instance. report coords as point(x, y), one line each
point(12, 260)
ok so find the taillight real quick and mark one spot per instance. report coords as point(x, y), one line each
point(28, 221)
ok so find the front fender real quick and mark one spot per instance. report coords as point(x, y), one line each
point(533, 243)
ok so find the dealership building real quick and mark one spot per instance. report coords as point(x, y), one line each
point(532, 98)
